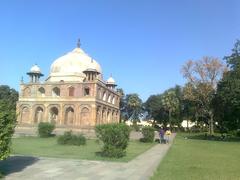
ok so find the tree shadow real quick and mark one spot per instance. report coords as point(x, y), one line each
point(213, 137)
point(16, 164)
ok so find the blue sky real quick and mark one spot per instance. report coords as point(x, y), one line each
point(143, 43)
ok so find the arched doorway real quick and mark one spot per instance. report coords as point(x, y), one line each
point(108, 116)
point(25, 114)
point(53, 115)
point(103, 116)
point(38, 116)
point(98, 117)
point(85, 117)
point(69, 116)
point(113, 116)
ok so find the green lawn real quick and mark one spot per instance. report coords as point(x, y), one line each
point(193, 159)
point(48, 147)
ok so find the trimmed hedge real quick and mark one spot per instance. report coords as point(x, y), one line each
point(115, 138)
point(148, 134)
point(70, 139)
point(45, 129)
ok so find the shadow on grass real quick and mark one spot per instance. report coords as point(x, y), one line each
point(208, 137)
point(16, 164)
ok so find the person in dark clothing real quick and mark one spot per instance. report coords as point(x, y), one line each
point(161, 135)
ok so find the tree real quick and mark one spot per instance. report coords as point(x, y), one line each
point(155, 109)
point(166, 108)
point(202, 77)
point(227, 99)
point(133, 106)
point(122, 104)
point(171, 104)
point(8, 98)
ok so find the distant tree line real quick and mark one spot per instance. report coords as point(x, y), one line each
point(210, 98)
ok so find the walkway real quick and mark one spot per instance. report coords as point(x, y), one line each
point(140, 168)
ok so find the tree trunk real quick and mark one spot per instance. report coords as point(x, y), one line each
point(170, 119)
point(211, 125)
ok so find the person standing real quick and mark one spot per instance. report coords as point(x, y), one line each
point(161, 135)
point(168, 134)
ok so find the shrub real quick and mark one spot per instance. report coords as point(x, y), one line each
point(7, 125)
point(148, 134)
point(45, 129)
point(70, 139)
point(238, 133)
point(1, 176)
point(115, 139)
point(136, 127)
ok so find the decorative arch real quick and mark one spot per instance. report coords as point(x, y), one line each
point(38, 115)
point(109, 116)
point(99, 93)
point(104, 115)
point(113, 100)
point(113, 116)
point(85, 117)
point(27, 92)
point(98, 115)
point(53, 114)
point(25, 114)
point(56, 92)
point(86, 91)
point(41, 92)
point(69, 116)
point(109, 98)
point(71, 91)
point(104, 96)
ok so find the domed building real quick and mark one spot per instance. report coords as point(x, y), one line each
point(74, 95)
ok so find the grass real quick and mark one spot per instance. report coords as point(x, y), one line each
point(1, 175)
point(48, 147)
point(200, 160)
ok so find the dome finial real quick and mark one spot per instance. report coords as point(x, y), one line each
point(78, 43)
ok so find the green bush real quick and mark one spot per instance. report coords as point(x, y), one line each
point(7, 125)
point(115, 139)
point(136, 127)
point(148, 134)
point(70, 139)
point(45, 129)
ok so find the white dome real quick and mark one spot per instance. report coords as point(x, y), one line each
point(35, 69)
point(111, 81)
point(70, 67)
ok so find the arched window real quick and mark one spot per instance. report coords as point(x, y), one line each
point(71, 91)
point(41, 92)
point(56, 92)
point(86, 91)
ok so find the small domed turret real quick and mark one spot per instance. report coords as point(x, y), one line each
point(111, 83)
point(35, 74)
